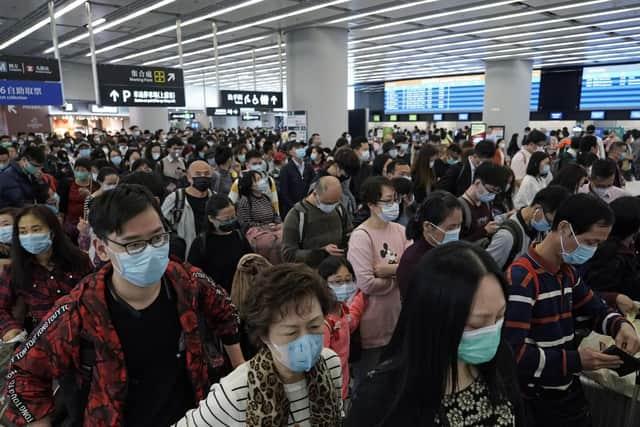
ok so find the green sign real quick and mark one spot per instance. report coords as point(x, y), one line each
point(376, 117)
point(413, 117)
point(393, 118)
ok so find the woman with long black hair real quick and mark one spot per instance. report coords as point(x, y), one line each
point(446, 364)
point(45, 265)
point(423, 173)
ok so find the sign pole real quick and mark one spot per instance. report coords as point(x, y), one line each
point(54, 39)
point(92, 47)
point(179, 39)
point(253, 61)
point(214, 29)
point(204, 89)
point(280, 59)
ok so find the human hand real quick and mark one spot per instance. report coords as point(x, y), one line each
point(626, 305)
point(333, 250)
point(593, 360)
point(83, 226)
point(492, 227)
point(627, 339)
point(12, 333)
point(384, 270)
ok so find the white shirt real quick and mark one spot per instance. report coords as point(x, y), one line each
point(529, 188)
point(519, 164)
point(226, 403)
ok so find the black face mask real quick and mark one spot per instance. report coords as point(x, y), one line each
point(343, 178)
point(201, 183)
point(227, 226)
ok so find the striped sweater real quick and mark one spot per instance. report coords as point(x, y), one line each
point(544, 300)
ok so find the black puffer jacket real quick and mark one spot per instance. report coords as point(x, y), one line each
point(614, 268)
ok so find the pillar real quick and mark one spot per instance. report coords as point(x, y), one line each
point(317, 79)
point(151, 118)
point(507, 93)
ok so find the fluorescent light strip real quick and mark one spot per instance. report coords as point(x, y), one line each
point(227, 64)
point(201, 51)
point(229, 55)
point(221, 12)
point(42, 23)
point(227, 31)
point(495, 29)
point(161, 48)
point(378, 11)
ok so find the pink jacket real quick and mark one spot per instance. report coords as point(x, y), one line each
point(338, 329)
point(369, 247)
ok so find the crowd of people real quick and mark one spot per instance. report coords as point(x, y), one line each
point(247, 277)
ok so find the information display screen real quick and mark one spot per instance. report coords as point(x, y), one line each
point(610, 87)
point(444, 94)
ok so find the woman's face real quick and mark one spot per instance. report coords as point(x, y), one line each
point(30, 224)
point(224, 215)
point(300, 318)
point(488, 304)
point(341, 277)
point(387, 197)
point(111, 179)
point(6, 220)
point(452, 222)
point(545, 162)
point(156, 150)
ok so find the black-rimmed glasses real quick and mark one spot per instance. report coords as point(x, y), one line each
point(134, 248)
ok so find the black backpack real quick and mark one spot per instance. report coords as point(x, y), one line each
point(516, 232)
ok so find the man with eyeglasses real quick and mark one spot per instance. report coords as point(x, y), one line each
point(477, 202)
point(21, 183)
point(134, 343)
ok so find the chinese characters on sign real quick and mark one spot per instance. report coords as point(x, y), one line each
point(141, 86)
point(31, 69)
point(15, 92)
point(250, 99)
point(222, 111)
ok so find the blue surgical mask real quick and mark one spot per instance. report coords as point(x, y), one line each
point(480, 345)
point(257, 168)
point(452, 161)
point(263, 186)
point(486, 197)
point(6, 234)
point(390, 212)
point(543, 225)
point(393, 153)
point(85, 152)
point(623, 156)
point(300, 153)
point(143, 269)
point(301, 354)
point(155, 156)
point(545, 170)
point(582, 254)
point(404, 147)
point(36, 243)
point(314, 157)
point(449, 236)
point(30, 169)
point(365, 156)
point(116, 160)
point(326, 208)
point(344, 292)
point(242, 158)
point(3, 166)
point(81, 176)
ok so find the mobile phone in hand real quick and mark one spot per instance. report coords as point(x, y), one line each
point(629, 363)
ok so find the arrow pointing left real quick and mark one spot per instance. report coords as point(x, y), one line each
point(114, 95)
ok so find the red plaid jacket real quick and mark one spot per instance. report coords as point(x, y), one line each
point(52, 350)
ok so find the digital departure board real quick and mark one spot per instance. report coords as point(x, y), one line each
point(610, 87)
point(444, 94)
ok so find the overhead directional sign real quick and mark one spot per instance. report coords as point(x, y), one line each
point(14, 92)
point(250, 99)
point(32, 69)
point(141, 86)
point(222, 111)
point(182, 116)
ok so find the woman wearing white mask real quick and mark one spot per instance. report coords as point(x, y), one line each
point(446, 364)
point(292, 380)
point(7, 216)
point(538, 177)
point(375, 248)
point(438, 221)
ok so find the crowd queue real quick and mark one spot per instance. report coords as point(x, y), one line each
point(247, 277)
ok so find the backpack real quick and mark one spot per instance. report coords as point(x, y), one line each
point(302, 211)
point(178, 207)
point(466, 217)
point(512, 227)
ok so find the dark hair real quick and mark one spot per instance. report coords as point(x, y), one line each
point(588, 142)
point(105, 172)
point(533, 167)
point(357, 142)
point(627, 212)
point(485, 149)
point(424, 176)
point(216, 203)
point(455, 148)
point(3, 151)
point(12, 212)
point(141, 162)
point(583, 211)
point(267, 146)
point(603, 168)
point(551, 197)
point(82, 162)
point(402, 185)
point(434, 209)
point(391, 167)
point(148, 180)
point(175, 141)
point(253, 154)
point(441, 292)
point(371, 189)
point(112, 209)
point(536, 137)
point(148, 153)
point(492, 174)
point(347, 160)
point(223, 154)
point(591, 129)
point(245, 184)
point(330, 266)
point(277, 287)
point(569, 177)
point(34, 153)
point(65, 254)
point(379, 162)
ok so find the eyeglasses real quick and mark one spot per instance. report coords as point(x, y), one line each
point(490, 190)
point(340, 282)
point(395, 199)
point(134, 248)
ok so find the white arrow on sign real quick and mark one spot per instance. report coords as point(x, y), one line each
point(114, 95)
point(12, 109)
point(126, 94)
point(274, 100)
point(172, 77)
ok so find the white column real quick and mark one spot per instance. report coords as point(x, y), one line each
point(317, 79)
point(507, 93)
point(152, 118)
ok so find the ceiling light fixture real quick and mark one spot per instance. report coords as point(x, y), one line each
point(378, 11)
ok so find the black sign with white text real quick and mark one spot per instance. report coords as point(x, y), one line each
point(222, 111)
point(141, 86)
point(250, 99)
point(31, 69)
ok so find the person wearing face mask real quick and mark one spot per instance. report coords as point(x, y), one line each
point(344, 318)
point(225, 175)
point(619, 153)
point(4, 158)
point(143, 317)
point(292, 380)
point(295, 178)
point(437, 221)
point(375, 248)
point(360, 146)
point(21, 183)
point(460, 176)
point(520, 160)
point(172, 167)
point(45, 266)
point(7, 218)
point(539, 321)
point(153, 153)
point(255, 163)
point(222, 238)
point(603, 174)
point(479, 223)
point(459, 288)
point(185, 208)
point(423, 173)
point(526, 226)
point(73, 194)
point(316, 227)
point(538, 177)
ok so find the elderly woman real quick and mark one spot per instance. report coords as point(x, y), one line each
point(292, 380)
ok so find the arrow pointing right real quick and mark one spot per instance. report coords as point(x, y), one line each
point(114, 95)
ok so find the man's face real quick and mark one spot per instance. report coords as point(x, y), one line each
point(402, 171)
point(592, 237)
point(4, 159)
point(13, 153)
point(198, 169)
point(254, 161)
point(316, 140)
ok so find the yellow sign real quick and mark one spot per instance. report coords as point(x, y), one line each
point(158, 77)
